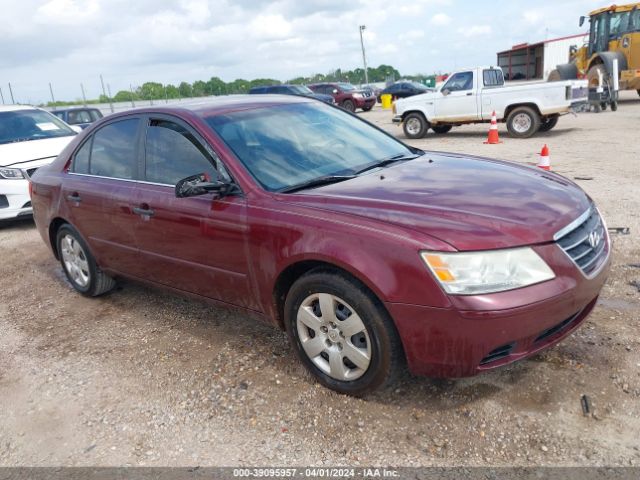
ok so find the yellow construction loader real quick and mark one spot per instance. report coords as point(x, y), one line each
point(614, 35)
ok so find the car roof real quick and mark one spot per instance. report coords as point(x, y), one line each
point(14, 108)
point(211, 106)
point(71, 109)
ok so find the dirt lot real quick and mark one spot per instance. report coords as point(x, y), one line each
point(140, 377)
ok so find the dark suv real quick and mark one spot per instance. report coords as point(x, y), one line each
point(346, 95)
point(292, 90)
point(80, 116)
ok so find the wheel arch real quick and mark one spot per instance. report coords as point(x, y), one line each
point(54, 226)
point(606, 59)
point(511, 108)
point(292, 272)
point(420, 112)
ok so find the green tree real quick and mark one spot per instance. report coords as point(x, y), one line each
point(199, 88)
point(171, 91)
point(185, 90)
point(124, 96)
point(215, 86)
point(150, 91)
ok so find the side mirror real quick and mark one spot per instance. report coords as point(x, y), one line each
point(446, 92)
point(199, 185)
point(582, 19)
point(335, 90)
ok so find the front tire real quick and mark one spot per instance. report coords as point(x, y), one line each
point(342, 333)
point(548, 124)
point(523, 122)
point(79, 265)
point(349, 106)
point(415, 125)
point(366, 109)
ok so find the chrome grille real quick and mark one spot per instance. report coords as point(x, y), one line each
point(586, 242)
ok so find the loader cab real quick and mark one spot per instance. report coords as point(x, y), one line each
point(599, 33)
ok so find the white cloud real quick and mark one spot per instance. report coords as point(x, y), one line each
point(441, 19)
point(475, 31)
point(412, 35)
point(270, 27)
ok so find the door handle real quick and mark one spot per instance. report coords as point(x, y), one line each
point(469, 94)
point(143, 211)
point(74, 197)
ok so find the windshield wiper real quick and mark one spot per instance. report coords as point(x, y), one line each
point(317, 182)
point(402, 157)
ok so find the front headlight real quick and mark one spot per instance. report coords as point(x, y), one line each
point(11, 173)
point(474, 273)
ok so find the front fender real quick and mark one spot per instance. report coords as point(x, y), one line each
point(606, 58)
point(383, 257)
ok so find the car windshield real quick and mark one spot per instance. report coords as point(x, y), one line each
point(24, 125)
point(301, 90)
point(419, 86)
point(347, 87)
point(290, 145)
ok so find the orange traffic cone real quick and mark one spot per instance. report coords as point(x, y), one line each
point(493, 131)
point(545, 160)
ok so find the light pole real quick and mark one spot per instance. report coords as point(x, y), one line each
point(364, 58)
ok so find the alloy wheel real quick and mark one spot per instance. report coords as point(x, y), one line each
point(75, 261)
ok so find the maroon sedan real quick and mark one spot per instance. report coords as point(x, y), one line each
point(346, 95)
point(368, 252)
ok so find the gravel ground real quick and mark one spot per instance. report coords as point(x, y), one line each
point(140, 377)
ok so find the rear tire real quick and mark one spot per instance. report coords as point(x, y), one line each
point(614, 106)
point(441, 129)
point(415, 125)
point(349, 106)
point(342, 333)
point(79, 264)
point(523, 122)
point(548, 124)
point(366, 109)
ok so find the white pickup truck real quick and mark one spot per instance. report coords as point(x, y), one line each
point(471, 96)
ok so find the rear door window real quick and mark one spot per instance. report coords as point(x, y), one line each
point(174, 153)
point(492, 77)
point(113, 153)
point(81, 158)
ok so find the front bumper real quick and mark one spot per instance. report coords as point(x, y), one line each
point(460, 341)
point(397, 119)
point(365, 102)
point(14, 199)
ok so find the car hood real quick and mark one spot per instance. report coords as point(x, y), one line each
point(13, 154)
point(471, 203)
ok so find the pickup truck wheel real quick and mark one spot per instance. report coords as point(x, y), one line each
point(342, 333)
point(523, 122)
point(415, 125)
point(79, 265)
point(349, 106)
point(441, 129)
point(548, 124)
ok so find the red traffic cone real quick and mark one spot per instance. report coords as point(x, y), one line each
point(545, 160)
point(493, 131)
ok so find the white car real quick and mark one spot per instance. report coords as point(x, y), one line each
point(29, 138)
point(472, 95)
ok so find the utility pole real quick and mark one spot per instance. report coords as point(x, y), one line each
point(11, 93)
point(104, 92)
point(84, 97)
point(364, 57)
point(131, 90)
point(1, 95)
point(53, 100)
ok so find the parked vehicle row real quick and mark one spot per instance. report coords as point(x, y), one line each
point(368, 252)
point(291, 90)
point(471, 96)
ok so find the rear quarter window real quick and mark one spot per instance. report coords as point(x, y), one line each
point(492, 77)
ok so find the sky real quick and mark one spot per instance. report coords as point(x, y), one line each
point(69, 42)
